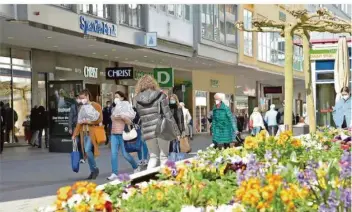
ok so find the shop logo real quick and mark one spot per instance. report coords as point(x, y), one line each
point(165, 77)
point(117, 73)
point(97, 26)
point(90, 72)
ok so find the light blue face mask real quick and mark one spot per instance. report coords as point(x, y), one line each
point(172, 101)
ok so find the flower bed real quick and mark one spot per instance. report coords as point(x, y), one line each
point(311, 173)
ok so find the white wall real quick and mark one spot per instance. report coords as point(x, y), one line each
point(7, 11)
point(181, 31)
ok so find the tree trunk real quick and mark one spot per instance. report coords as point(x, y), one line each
point(308, 82)
point(288, 76)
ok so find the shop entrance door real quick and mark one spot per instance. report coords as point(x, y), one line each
point(95, 91)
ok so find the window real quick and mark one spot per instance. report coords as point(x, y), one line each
point(100, 10)
point(271, 49)
point(187, 12)
point(67, 6)
point(130, 14)
point(171, 9)
point(154, 6)
point(248, 36)
point(179, 10)
point(218, 23)
point(163, 7)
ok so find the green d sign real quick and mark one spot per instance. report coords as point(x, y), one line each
point(165, 77)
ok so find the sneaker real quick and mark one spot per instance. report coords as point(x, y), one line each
point(90, 176)
point(82, 161)
point(113, 176)
point(137, 170)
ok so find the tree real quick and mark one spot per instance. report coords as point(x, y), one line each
point(321, 21)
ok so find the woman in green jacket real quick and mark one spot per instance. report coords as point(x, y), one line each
point(223, 127)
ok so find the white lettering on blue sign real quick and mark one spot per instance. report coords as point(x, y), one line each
point(97, 26)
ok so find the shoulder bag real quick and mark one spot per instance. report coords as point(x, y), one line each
point(132, 141)
point(164, 127)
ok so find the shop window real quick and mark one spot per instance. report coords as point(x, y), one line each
point(130, 14)
point(248, 36)
point(15, 90)
point(163, 7)
point(100, 10)
point(325, 76)
point(187, 12)
point(201, 120)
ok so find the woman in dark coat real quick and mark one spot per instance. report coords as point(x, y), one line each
point(176, 110)
point(42, 125)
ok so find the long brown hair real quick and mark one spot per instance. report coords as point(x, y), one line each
point(146, 82)
point(86, 92)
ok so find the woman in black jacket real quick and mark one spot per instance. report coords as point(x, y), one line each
point(177, 112)
point(42, 125)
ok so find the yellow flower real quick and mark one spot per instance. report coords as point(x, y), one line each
point(322, 183)
point(296, 142)
point(250, 143)
point(321, 172)
point(336, 183)
point(166, 171)
point(159, 196)
point(82, 207)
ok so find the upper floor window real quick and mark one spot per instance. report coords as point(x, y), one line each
point(130, 14)
point(248, 36)
point(218, 23)
point(171, 9)
point(67, 6)
point(100, 10)
point(182, 11)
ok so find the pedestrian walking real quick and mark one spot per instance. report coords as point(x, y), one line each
point(187, 120)
point(256, 122)
point(42, 126)
point(120, 118)
point(342, 110)
point(271, 120)
point(222, 126)
point(27, 129)
point(153, 108)
point(107, 120)
point(72, 123)
point(11, 118)
point(2, 126)
point(143, 153)
point(90, 117)
point(34, 126)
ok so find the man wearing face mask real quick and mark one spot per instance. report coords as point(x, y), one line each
point(223, 127)
point(72, 122)
point(107, 120)
point(342, 110)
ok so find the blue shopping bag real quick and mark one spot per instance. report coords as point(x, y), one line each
point(75, 157)
point(175, 154)
point(134, 145)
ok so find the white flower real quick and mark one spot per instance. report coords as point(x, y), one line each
point(200, 151)
point(212, 145)
point(235, 159)
point(74, 200)
point(51, 208)
point(191, 208)
point(219, 159)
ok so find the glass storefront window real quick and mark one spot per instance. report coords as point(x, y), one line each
point(201, 121)
point(15, 91)
point(325, 97)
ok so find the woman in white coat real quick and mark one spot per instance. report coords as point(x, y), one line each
point(256, 121)
point(187, 119)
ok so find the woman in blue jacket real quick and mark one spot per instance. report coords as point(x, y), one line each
point(343, 109)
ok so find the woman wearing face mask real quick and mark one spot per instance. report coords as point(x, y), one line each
point(89, 116)
point(119, 120)
point(223, 127)
point(343, 109)
point(177, 112)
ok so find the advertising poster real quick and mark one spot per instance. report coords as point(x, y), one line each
point(61, 96)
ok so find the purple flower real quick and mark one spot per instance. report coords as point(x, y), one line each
point(325, 208)
point(345, 164)
point(170, 164)
point(174, 172)
point(124, 177)
point(268, 155)
point(346, 197)
point(333, 201)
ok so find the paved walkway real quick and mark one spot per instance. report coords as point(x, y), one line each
point(29, 177)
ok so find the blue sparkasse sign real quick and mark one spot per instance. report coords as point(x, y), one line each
point(97, 26)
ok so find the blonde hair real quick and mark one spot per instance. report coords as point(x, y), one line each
point(256, 109)
point(146, 82)
point(176, 98)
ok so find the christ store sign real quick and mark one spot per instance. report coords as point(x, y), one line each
point(90, 72)
point(118, 73)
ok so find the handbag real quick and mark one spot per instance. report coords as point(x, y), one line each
point(184, 145)
point(164, 127)
point(99, 133)
point(133, 145)
point(175, 153)
point(75, 157)
point(129, 133)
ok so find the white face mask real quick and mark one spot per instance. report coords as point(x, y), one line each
point(217, 102)
point(84, 101)
point(78, 101)
point(117, 100)
point(345, 97)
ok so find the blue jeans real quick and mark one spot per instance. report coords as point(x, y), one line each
point(88, 148)
point(143, 153)
point(116, 144)
point(256, 130)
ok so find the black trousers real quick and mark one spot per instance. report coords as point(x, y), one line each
point(7, 134)
point(221, 146)
point(1, 140)
point(272, 130)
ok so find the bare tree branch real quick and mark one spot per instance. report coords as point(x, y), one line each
point(240, 26)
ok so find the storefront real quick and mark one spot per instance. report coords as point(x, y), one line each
point(204, 89)
point(323, 62)
point(15, 90)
